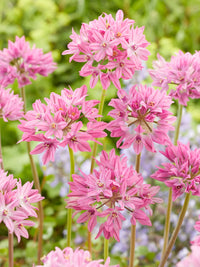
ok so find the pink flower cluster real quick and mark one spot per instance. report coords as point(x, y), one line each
point(109, 191)
point(142, 117)
point(182, 74)
point(59, 123)
point(15, 204)
point(112, 49)
point(196, 241)
point(21, 62)
point(69, 258)
point(182, 173)
point(11, 106)
point(192, 260)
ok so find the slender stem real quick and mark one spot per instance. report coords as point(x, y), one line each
point(132, 246)
point(106, 249)
point(169, 205)
point(10, 249)
point(69, 215)
point(89, 239)
point(167, 222)
point(137, 163)
point(94, 152)
point(133, 227)
point(176, 231)
point(178, 123)
point(37, 186)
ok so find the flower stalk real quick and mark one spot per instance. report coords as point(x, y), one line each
point(169, 205)
point(10, 249)
point(69, 216)
point(106, 249)
point(94, 152)
point(133, 227)
point(176, 231)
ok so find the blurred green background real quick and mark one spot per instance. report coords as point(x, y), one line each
point(169, 26)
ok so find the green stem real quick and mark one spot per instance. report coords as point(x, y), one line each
point(106, 249)
point(137, 163)
point(167, 222)
point(37, 186)
point(69, 215)
point(94, 152)
point(132, 246)
point(178, 123)
point(133, 227)
point(176, 231)
point(10, 249)
point(169, 205)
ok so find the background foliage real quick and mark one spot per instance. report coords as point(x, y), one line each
point(169, 26)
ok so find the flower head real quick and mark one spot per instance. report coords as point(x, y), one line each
point(196, 241)
point(21, 62)
point(182, 173)
point(181, 75)
point(15, 204)
point(69, 258)
point(59, 123)
point(11, 105)
point(142, 117)
point(192, 259)
point(109, 191)
point(111, 49)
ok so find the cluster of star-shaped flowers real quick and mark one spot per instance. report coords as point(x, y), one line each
point(59, 123)
point(182, 173)
point(11, 105)
point(109, 191)
point(181, 75)
point(16, 204)
point(69, 258)
point(21, 62)
point(196, 241)
point(112, 49)
point(192, 260)
point(142, 117)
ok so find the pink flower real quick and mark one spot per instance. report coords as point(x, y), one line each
point(69, 258)
point(142, 117)
point(181, 75)
point(48, 146)
point(76, 139)
point(59, 123)
point(7, 211)
point(107, 192)
point(192, 259)
point(20, 230)
point(196, 241)
point(20, 62)
point(15, 204)
point(7, 182)
point(26, 195)
point(182, 172)
point(111, 48)
point(11, 106)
